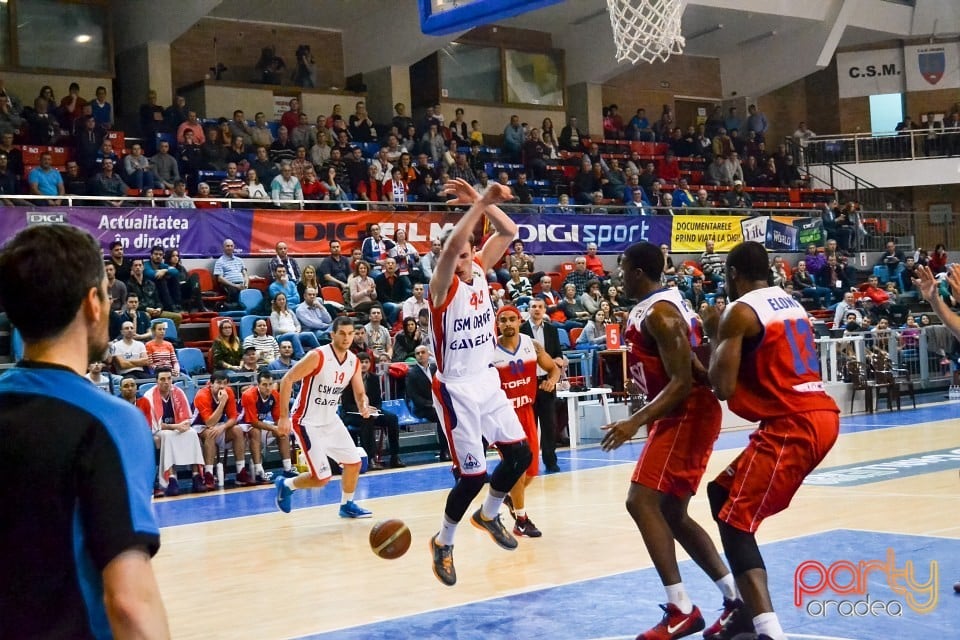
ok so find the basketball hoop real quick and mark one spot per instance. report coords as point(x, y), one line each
point(647, 30)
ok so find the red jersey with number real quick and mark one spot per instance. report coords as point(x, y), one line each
point(643, 356)
point(518, 376)
point(316, 405)
point(780, 371)
point(462, 327)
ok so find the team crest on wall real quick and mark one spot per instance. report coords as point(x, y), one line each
point(932, 64)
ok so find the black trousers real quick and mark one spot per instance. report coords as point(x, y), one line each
point(368, 426)
point(430, 413)
point(545, 408)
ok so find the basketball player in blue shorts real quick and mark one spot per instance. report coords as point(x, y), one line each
point(470, 401)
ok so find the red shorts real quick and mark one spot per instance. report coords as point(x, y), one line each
point(765, 476)
point(679, 447)
point(529, 422)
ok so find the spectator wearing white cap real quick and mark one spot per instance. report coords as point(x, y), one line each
point(737, 198)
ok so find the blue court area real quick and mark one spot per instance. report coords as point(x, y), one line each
point(240, 503)
point(623, 605)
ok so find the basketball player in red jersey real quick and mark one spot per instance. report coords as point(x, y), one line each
point(516, 359)
point(470, 403)
point(765, 365)
point(684, 418)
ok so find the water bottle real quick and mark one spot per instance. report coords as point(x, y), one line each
point(219, 474)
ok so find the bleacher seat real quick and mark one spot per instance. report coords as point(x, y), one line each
point(16, 344)
point(192, 362)
point(399, 408)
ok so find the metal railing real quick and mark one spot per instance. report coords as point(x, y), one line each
point(879, 147)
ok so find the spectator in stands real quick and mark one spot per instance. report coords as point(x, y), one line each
point(574, 312)
point(282, 149)
point(715, 174)
point(420, 397)
point(392, 289)
point(130, 312)
point(757, 122)
point(519, 289)
point(732, 170)
point(164, 277)
point(571, 138)
point(893, 259)
point(378, 336)
point(845, 307)
point(10, 113)
point(400, 119)
point(937, 261)
point(789, 175)
point(737, 198)
point(580, 275)
point(286, 325)
point(194, 125)
point(682, 196)
point(116, 290)
point(383, 419)
point(286, 191)
point(407, 340)
point(408, 260)
point(513, 139)
point(107, 184)
point(45, 180)
point(266, 345)
point(102, 110)
point(951, 135)
point(702, 205)
point(722, 144)
point(768, 176)
point(230, 272)
point(160, 352)
point(695, 295)
point(414, 304)
point(304, 134)
point(227, 350)
point(591, 298)
point(376, 248)
point(594, 263)
point(73, 182)
point(265, 168)
point(121, 264)
point(586, 183)
point(462, 169)
point(804, 282)
point(360, 125)
point(521, 191)
point(313, 316)
point(534, 156)
point(713, 264)
point(128, 356)
point(778, 272)
point(803, 136)
point(363, 289)
point(433, 144)
point(751, 172)
point(395, 191)
point(148, 295)
point(71, 105)
point(164, 166)
point(89, 142)
point(282, 283)
point(138, 172)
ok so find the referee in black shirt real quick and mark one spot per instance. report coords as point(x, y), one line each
point(77, 529)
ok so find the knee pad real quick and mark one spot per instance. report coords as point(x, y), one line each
point(741, 549)
point(516, 458)
point(717, 496)
point(462, 494)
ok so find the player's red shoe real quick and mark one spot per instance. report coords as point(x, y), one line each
point(734, 620)
point(674, 624)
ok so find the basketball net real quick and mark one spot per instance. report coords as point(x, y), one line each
point(647, 30)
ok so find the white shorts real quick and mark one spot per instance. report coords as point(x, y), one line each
point(266, 437)
point(330, 440)
point(471, 409)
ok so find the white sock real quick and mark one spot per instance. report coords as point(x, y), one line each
point(240, 466)
point(288, 483)
point(447, 531)
point(768, 624)
point(286, 464)
point(728, 587)
point(677, 595)
point(208, 468)
point(345, 497)
point(521, 513)
point(491, 505)
point(258, 469)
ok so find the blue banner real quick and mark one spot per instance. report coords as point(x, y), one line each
point(565, 234)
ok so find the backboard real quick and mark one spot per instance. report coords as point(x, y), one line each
point(440, 17)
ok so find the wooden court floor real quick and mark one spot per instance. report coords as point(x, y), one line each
point(239, 568)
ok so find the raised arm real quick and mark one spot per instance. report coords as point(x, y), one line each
point(445, 268)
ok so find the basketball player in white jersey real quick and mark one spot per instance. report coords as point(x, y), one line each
point(467, 393)
point(326, 371)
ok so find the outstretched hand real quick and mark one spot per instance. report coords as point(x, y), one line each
point(953, 277)
point(926, 283)
point(462, 192)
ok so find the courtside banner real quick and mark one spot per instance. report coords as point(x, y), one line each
point(195, 232)
point(310, 232)
point(690, 233)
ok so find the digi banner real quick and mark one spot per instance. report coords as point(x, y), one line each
point(690, 233)
point(196, 232)
point(310, 232)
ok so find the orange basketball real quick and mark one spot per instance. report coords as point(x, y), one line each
point(390, 539)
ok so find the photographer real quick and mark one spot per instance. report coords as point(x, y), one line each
point(305, 74)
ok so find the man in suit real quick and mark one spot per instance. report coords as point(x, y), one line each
point(540, 329)
point(383, 419)
point(419, 384)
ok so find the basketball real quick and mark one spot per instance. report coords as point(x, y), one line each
point(390, 539)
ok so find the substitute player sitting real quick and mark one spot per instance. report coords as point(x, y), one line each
point(516, 360)
point(684, 418)
point(326, 372)
point(260, 412)
point(466, 389)
point(765, 365)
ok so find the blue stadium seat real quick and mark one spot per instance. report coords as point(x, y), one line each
point(16, 345)
point(274, 128)
point(400, 409)
point(192, 362)
point(251, 299)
